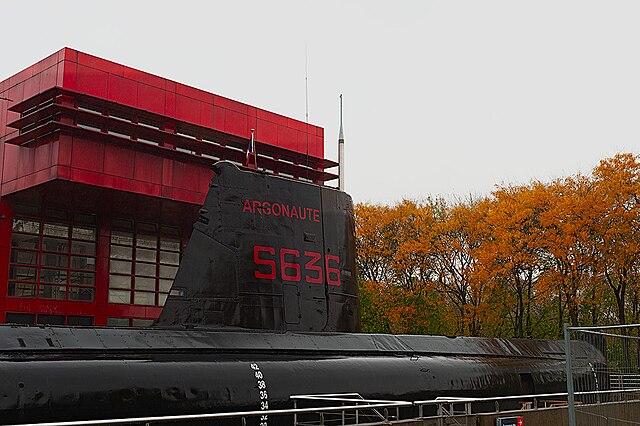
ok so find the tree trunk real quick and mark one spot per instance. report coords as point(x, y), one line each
point(529, 290)
point(560, 316)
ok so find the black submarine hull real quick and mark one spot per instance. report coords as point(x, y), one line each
point(264, 306)
point(64, 374)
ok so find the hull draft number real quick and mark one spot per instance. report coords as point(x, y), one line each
point(261, 384)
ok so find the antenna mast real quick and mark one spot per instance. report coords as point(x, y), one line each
point(341, 152)
point(306, 103)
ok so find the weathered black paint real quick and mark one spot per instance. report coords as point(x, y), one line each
point(112, 373)
point(197, 361)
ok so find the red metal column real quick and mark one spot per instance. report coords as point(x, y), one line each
point(6, 220)
point(102, 267)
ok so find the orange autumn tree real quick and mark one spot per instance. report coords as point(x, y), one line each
point(389, 308)
point(396, 293)
point(416, 270)
point(418, 221)
point(375, 247)
point(486, 287)
point(376, 242)
point(512, 252)
point(567, 248)
point(617, 228)
point(452, 248)
point(520, 262)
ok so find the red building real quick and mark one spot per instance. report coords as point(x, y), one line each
point(103, 169)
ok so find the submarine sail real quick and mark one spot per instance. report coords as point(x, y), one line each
point(268, 253)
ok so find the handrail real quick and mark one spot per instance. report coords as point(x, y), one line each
point(440, 401)
point(511, 397)
point(346, 397)
point(213, 416)
point(360, 405)
point(339, 397)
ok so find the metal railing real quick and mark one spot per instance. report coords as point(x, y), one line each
point(370, 410)
point(358, 405)
point(624, 381)
point(351, 408)
point(452, 408)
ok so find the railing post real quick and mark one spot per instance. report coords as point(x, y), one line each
point(295, 414)
point(343, 421)
point(571, 407)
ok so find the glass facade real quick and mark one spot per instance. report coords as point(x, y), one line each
point(143, 262)
point(56, 257)
point(53, 257)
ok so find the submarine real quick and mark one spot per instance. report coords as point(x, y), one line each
point(264, 306)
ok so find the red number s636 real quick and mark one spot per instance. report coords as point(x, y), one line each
point(293, 266)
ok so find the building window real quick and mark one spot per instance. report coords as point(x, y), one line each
point(15, 318)
point(129, 322)
point(118, 322)
point(79, 320)
point(53, 257)
point(143, 261)
point(51, 319)
point(46, 319)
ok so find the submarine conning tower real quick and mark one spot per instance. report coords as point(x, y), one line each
point(270, 253)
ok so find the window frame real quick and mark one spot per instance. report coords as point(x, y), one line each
point(59, 259)
point(141, 240)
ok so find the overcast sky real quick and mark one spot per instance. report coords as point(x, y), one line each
point(441, 98)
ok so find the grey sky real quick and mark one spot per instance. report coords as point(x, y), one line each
point(440, 97)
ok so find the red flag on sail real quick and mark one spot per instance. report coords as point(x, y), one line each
point(251, 160)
